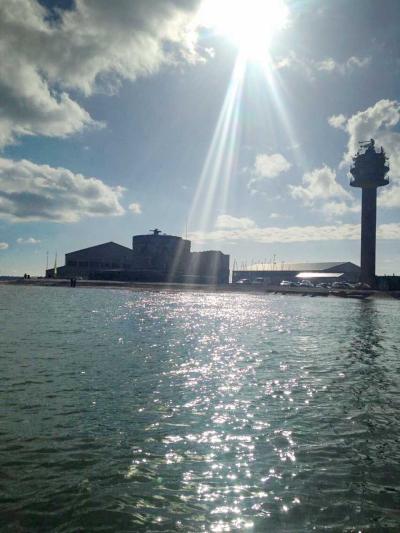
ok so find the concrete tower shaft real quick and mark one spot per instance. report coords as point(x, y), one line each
point(368, 234)
point(369, 171)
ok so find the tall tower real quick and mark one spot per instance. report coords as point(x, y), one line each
point(369, 170)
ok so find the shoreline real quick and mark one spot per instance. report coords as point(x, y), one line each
point(255, 289)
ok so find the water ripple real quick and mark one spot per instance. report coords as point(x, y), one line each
point(168, 411)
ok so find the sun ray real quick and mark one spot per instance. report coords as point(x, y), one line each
point(276, 90)
point(251, 24)
point(216, 174)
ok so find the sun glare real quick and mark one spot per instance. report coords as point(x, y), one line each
point(250, 24)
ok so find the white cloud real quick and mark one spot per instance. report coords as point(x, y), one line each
point(326, 64)
point(284, 62)
point(40, 192)
point(277, 215)
point(266, 167)
point(389, 197)
point(330, 65)
point(377, 122)
point(270, 166)
point(388, 231)
point(319, 184)
point(136, 208)
point(338, 121)
point(294, 234)
point(94, 45)
point(359, 62)
point(3, 246)
point(337, 209)
point(229, 222)
point(29, 240)
point(293, 61)
point(311, 66)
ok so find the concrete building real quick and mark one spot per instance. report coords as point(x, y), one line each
point(368, 171)
point(159, 254)
point(153, 258)
point(274, 273)
point(208, 266)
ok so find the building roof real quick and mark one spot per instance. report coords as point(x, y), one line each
point(110, 244)
point(204, 252)
point(303, 267)
point(317, 275)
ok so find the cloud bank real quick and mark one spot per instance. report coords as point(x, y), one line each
point(236, 232)
point(321, 190)
point(319, 184)
point(93, 46)
point(39, 192)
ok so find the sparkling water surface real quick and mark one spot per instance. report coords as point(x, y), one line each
point(189, 411)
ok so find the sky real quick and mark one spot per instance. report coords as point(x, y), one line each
point(119, 117)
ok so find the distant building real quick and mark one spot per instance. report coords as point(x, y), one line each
point(368, 173)
point(153, 258)
point(208, 266)
point(109, 256)
point(162, 255)
point(274, 273)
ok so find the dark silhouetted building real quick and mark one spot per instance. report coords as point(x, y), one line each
point(208, 266)
point(103, 257)
point(153, 258)
point(274, 273)
point(162, 256)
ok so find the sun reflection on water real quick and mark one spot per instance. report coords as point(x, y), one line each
point(227, 428)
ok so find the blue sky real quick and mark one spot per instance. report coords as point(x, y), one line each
point(119, 117)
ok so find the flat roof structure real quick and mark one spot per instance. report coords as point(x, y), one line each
point(317, 275)
point(281, 266)
point(274, 273)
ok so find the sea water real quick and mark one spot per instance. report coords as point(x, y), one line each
point(189, 411)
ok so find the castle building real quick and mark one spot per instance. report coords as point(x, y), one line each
point(153, 258)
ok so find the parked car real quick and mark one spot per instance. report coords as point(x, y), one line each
point(258, 281)
point(285, 283)
point(306, 283)
point(341, 285)
point(362, 285)
point(322, 285)
point(243, 281)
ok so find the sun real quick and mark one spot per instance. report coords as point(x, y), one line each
point(250, 24)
